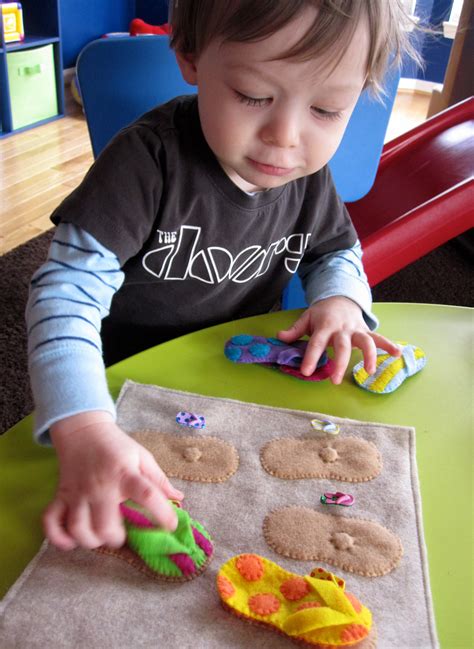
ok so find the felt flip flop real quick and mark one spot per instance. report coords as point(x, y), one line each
point(245, 348)
point(326, 426)
point(338, 498)
point(314, 609)
point(391, 371)
point(320, 373)
point(170, 556)
point(258, 349)
point(191, 419)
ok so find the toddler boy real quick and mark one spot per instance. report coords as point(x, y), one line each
point(199, 213)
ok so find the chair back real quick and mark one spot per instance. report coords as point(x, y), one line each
point(354, 165)
point(120, 78)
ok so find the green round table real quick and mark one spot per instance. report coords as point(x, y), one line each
point(437, 402)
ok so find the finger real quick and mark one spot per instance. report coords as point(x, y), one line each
point(366, 344)
point(297, 329)
point(79, 526)
point(316, 347)
point(384, 343)
point(107, 524)
point(53, 519)
point(149, 496)
point(151, 470)
point(342, 354)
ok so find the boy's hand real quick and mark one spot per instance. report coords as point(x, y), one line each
point(100, 467)
point(337, 321)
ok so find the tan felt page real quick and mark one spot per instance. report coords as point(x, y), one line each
point(86, 600)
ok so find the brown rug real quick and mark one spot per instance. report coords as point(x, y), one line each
point(16, 269)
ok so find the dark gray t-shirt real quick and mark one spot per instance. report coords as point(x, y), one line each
point(195, 249)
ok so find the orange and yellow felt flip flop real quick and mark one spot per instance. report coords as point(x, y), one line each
point(314, 609)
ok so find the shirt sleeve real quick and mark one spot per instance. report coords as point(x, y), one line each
point(119, 198)
point(69, 295)
point(339, 273)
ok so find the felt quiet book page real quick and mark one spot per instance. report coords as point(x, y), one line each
point(253, 476)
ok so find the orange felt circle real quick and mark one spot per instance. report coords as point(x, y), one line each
point(304, 605)
point(357, 606)
point(354, 632)
point(250, 567)
point(264, 604)
point(225, 587)
point(294, 589)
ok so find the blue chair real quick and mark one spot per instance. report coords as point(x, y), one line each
point(122, 78)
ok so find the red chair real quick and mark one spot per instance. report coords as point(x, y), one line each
point(423, 194)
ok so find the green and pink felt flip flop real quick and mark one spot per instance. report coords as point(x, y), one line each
point(175, 556)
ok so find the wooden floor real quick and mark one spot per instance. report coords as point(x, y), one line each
point(39, 167)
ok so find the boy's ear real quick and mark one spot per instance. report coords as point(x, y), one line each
point(187, 66)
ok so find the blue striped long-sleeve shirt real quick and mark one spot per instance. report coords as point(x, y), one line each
point(71, 293)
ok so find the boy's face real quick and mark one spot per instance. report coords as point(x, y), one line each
point(271, 121)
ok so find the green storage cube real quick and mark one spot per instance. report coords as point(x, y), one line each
point(32, 81)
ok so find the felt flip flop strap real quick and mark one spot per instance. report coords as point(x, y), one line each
point(184, 563)
point(330, 594)
point(314, 619)
point(202, 542)
point(290, 356)
point(336, 610)
point(135, 517)
point(408, 355)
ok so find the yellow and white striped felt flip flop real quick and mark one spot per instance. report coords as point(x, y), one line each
point(391, 371)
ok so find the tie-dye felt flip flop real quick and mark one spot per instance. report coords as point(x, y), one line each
point(314, 610)
point(245, 348)
point(391, 371)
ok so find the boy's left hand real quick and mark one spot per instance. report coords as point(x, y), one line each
point(337, 321)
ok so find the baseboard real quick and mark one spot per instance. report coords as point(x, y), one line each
point(418, 85)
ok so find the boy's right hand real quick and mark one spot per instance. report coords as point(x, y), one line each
point(100, 467)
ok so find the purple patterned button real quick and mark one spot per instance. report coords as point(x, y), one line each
point(190, 419)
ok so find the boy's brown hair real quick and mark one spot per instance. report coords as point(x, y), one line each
point(195, 23)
